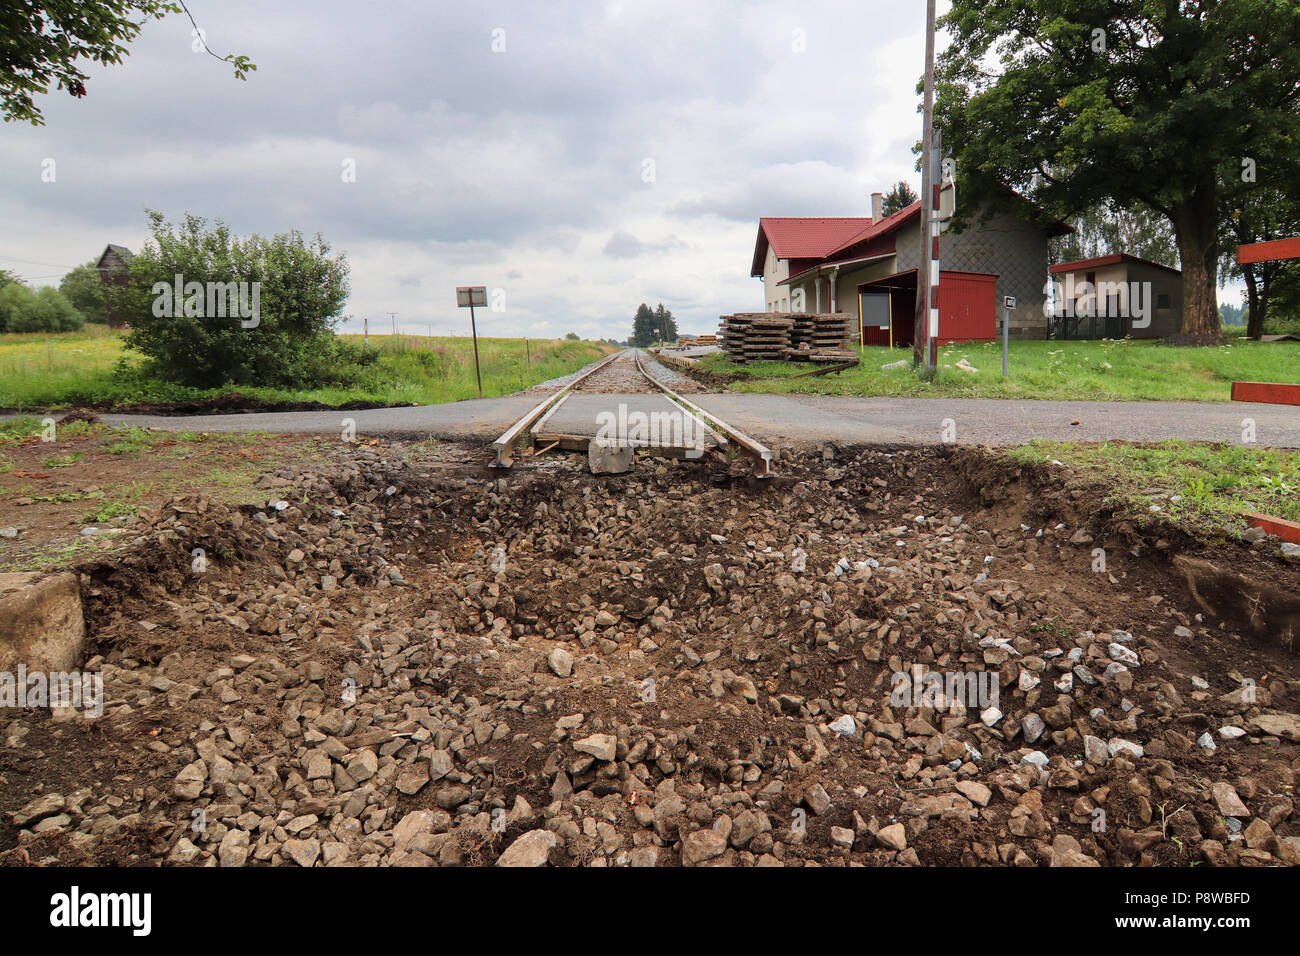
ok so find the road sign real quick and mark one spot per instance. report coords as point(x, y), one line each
point(470, 296)
point(1009, 301)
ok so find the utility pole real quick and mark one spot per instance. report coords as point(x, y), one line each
point(393, 316)
point(925, 327)
point(365, 330)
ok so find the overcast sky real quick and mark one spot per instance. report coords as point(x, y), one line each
point(579, 157)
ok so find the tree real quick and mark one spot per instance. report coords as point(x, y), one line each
point(45, 310)
point(1142, 101)
point(643, 326)
point(44, 42)
point(1260, 213)
point(571, 336)
point(1109, 227)
point(665, 324)
point(252, 311)
point(898, 198)
point(85, 291)
point(1231, 314)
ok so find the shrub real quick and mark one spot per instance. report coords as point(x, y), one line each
point(45, 310)
point(293, 288)
point(85, 291)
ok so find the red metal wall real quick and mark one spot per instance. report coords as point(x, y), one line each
point(967, 311)
point(967, 307)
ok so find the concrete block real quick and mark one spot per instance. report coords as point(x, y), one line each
point(609, 459)
point(41, 623)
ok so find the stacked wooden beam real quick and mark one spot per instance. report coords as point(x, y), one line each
point(831, 331)
point(797, 336)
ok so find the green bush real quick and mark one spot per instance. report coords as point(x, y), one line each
point(45, 310)
point(278, 333)
point(85, 291)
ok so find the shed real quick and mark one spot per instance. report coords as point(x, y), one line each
point(114, 267)
point(1114, 296)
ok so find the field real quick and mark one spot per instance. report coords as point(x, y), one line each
point(1112, 370)
point(42, 371)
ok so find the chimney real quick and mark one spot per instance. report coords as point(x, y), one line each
point(877, 206)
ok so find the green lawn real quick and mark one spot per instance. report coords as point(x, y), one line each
point(43, 371)
point(1104, 370)
point(1202, 485)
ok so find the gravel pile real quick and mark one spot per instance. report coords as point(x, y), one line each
point(412, 662)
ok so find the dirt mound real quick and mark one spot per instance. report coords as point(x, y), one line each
point(423, 662)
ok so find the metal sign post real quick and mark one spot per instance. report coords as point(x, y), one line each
point(1008, 303)
point(469, 296)
point(925, 328)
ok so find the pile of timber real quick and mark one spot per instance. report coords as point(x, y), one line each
point(788, 336)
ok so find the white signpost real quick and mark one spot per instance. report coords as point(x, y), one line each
point(1008, 304)
point(468, 297)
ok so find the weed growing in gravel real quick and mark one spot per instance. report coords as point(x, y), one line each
point(17, 429)
point(110, 510)
point(63, 461)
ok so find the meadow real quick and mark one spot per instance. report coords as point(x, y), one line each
point(40, 371)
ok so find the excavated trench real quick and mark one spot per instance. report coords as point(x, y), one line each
point(411, 660)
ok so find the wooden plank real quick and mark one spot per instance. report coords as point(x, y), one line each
point(1271, 393)
point(1269, 251)
point(1284, 529)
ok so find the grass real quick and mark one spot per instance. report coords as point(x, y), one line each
point(1205, 486)
point(1109, 370)
point(41, 371)
point(97, 480)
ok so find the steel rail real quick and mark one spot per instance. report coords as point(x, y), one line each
point(533, 421)
point(504, 446)
point(755, 449)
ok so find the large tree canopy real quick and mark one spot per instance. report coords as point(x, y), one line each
point(42, 44)
point(1157, 102)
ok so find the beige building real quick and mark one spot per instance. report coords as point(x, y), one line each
point(1115, 296)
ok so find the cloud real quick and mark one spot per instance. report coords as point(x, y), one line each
point(520, 169)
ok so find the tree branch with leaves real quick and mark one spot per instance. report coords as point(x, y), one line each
point(45, 44)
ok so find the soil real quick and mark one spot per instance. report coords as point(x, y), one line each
point(441, 590)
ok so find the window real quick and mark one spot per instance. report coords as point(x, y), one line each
point(1162, 300)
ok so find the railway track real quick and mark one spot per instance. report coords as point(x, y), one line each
point(663, 423)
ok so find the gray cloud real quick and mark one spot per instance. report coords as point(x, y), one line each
point(521, 170)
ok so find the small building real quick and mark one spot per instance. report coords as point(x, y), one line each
point(868, 266)
point(1115, 296)
point(114, 267)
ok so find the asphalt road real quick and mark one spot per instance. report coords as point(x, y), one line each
point(796, 419)
point(803, 418)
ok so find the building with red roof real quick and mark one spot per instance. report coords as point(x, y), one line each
point(868, 266)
